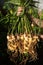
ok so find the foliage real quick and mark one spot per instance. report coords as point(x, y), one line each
point(35, 13)
point(21, 23)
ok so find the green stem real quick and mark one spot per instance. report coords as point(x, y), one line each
point(15, 25)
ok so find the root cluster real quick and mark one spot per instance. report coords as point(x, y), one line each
point(22, 44)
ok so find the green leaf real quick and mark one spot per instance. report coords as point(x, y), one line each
point(15, 2)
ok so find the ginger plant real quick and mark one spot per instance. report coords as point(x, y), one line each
point(22, 36)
